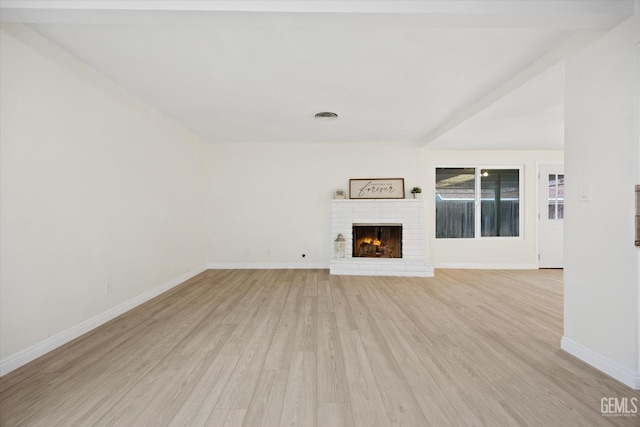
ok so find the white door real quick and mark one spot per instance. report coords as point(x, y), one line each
point(551, 216)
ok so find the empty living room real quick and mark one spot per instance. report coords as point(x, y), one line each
point(320, 213)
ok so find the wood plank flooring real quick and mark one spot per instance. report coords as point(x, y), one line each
point(302, 348)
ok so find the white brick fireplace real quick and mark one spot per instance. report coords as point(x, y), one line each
point(408, 212)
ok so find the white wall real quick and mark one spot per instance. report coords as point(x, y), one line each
point(601, 262)
point(96, 187)
point(270, 203)
point(498, 252)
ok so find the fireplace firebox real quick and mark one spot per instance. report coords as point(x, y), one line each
point(377, 240)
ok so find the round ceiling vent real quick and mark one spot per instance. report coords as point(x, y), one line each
point(326, 115)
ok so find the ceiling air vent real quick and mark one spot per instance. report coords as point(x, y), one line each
point(326, 115)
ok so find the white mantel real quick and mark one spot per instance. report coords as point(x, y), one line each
point(408, 212)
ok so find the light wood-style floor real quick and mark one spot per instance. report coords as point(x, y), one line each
point(300, 347)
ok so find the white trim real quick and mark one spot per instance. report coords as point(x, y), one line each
point(621, 373)
point(467, 13)
point(267, 266)
point(25, 356)
point(472, 266)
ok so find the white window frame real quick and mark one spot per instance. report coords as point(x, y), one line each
point(477, 232)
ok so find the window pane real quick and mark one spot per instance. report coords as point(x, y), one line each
point(500, 202)
point(560, 201)
point(552, 200)
point(455, 202)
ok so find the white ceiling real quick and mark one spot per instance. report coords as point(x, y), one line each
point(529, 117)
point(445, 73)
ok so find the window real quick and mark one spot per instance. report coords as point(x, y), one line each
point(455, 202)
point(556, 196)
point(472, 199)
point(500, 202)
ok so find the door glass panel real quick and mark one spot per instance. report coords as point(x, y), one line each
point(560, 196)
point(552, 196)
point(556, 196)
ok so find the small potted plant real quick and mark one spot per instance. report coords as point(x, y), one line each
point(415, 191)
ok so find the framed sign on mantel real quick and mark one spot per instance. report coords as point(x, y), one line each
point(376, 188)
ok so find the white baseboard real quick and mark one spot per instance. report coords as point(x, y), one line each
point(266, 266)
point(25, 356)
point(291, 265)
point(472, 266)
point(621, 373)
